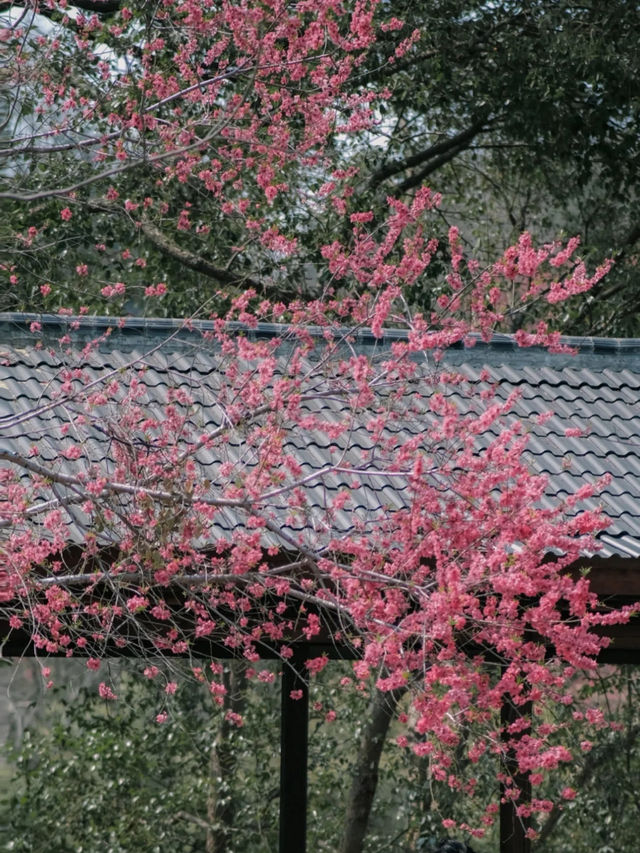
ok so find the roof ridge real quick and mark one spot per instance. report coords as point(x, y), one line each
point(12, 322)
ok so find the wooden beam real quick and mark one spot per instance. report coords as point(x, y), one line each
point(607, 576)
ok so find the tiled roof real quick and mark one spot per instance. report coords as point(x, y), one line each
point(596, 390)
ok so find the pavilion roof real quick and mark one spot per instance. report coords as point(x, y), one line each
point(597, 391)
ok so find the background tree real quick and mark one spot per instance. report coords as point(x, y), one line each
point(162, 775)
point(91, 777)
point(523, 115)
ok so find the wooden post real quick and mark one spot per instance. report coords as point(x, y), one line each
point(294, 733)
point(513, 828)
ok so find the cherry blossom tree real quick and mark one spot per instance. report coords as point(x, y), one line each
point(142, 144)
point(171, 519)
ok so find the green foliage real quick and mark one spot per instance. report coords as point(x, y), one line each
point(97, 775)
point(524, 115)
point(94, 775)
point(603, 817)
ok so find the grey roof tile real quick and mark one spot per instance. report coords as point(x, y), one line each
point(597, 390)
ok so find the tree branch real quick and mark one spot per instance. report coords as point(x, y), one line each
point(456, 143)
point(117, 169)
point(99, 7)
point(191, 260)
point(431, 167)
point(607, 294)
point(223, 760)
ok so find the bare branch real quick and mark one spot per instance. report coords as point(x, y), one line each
point(100, 7)
point(453, 144)
point(191, 260)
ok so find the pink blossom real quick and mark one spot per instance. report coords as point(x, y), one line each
point(117, 289)
point(106, 692)
point(184, 223)
point(316, 665)
point(266, 676)
point(595, 716)
point(156, 289)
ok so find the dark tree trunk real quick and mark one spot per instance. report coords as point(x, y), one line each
point(365, 776)
point(222, 763)
point(513, 829)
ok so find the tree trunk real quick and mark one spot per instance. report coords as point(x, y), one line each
point(365, 777)
point(222, 763)
point(513, 829)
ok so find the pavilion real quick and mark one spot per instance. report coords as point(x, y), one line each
point(595, 391)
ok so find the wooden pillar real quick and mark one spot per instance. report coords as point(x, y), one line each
point(294, 733)
point(513, 828)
